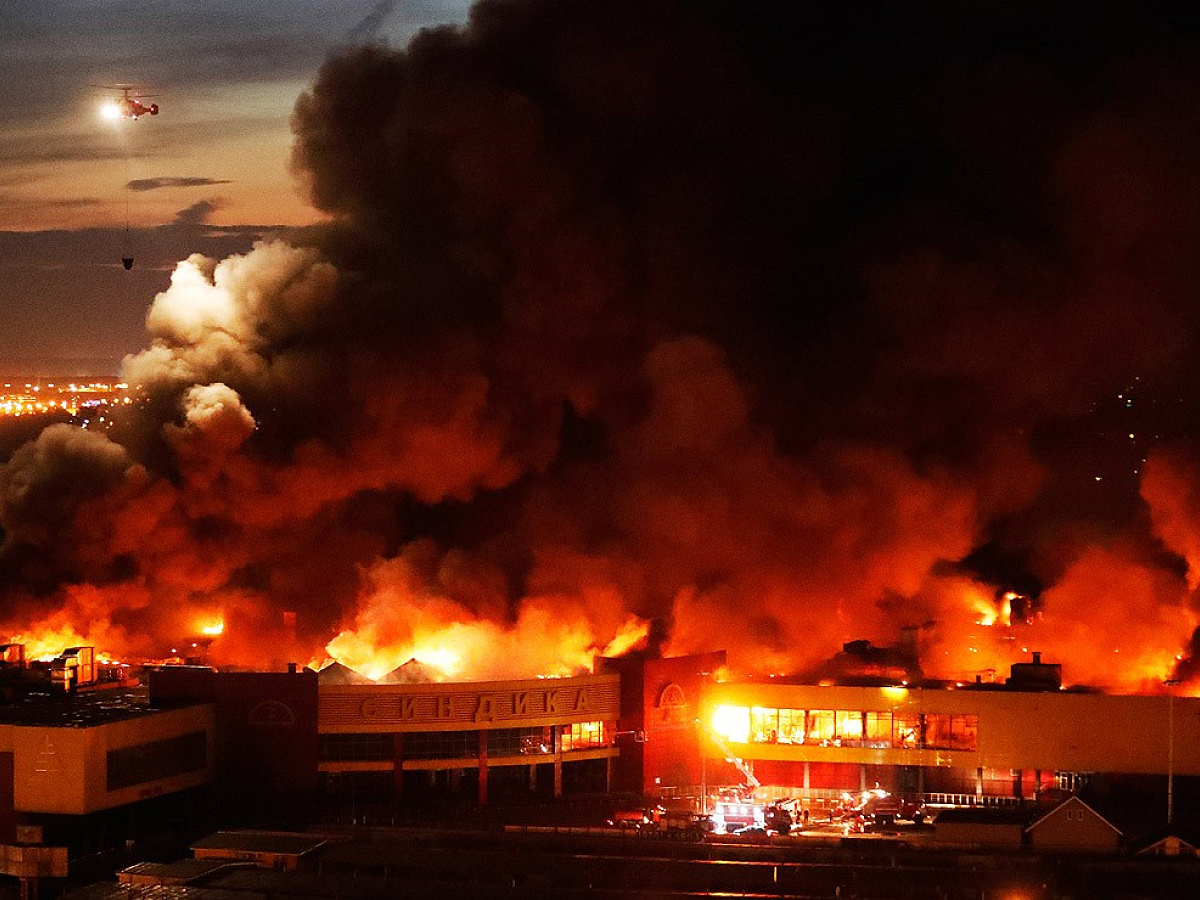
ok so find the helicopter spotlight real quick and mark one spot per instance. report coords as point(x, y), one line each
point(127, 106)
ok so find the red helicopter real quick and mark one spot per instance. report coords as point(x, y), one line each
point(126, 106)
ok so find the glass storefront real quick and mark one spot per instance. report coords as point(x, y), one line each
point(848, 728)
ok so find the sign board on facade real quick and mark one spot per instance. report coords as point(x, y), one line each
point(372, 708)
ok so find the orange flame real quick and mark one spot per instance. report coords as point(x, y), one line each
point(535, 646)
point(46, 643)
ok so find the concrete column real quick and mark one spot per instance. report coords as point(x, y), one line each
point(398, 763)
point(862, 777)
point(483, 767)
point(533, 778)
point(1037, 784)
point(557, 760)
point(979, 784)
point(807, 781)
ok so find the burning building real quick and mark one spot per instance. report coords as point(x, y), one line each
point(681, 728)
point(605, 344)
point(677, 730)
point(955, 746)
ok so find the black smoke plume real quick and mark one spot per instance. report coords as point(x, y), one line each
point(781, 328)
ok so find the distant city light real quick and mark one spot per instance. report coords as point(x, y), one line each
point(34, 399)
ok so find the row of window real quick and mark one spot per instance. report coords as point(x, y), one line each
point(533, 741)
point(587, 735)
point(155, 760)
point(848, 728)
point(356, 747)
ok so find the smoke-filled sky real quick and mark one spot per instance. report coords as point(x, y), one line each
point(737, 326)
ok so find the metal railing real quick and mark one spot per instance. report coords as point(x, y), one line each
point(984, 800)
point(771, 793)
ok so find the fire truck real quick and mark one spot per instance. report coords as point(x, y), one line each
point(659, 821)
point(879, 807)
point(732, 813)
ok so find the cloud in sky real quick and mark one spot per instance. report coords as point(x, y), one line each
point(226, 76)
point(198, 213)
point(368, 28)
point(152, 184)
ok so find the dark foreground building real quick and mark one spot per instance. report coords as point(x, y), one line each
point(82, 761)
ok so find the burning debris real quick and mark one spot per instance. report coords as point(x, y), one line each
point(616, 319)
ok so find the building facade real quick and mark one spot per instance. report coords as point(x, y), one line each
point(668, 727)
point(540, 734)
point(972, 745)
point(68, 769)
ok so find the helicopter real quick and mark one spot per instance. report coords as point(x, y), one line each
point(126, 106)
point(129, 105)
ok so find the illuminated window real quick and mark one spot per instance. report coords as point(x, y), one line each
point(877, 729)
point(820, 726)
point(849, 724)
point(586, 735)
point(951, 732)
point(906, 730)
point(764, 725)
point(791, 726)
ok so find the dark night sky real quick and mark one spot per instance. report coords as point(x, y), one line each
point(782, 324)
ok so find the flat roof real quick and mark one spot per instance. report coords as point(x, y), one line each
point(182, 870)
point(284, 843)
point(81, 710)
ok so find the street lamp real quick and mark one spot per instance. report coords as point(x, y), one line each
point(1170, 684)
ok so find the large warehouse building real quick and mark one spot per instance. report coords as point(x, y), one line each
point(977, 744)
point(671, 728)
point(660, 727)
point(971, 744)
